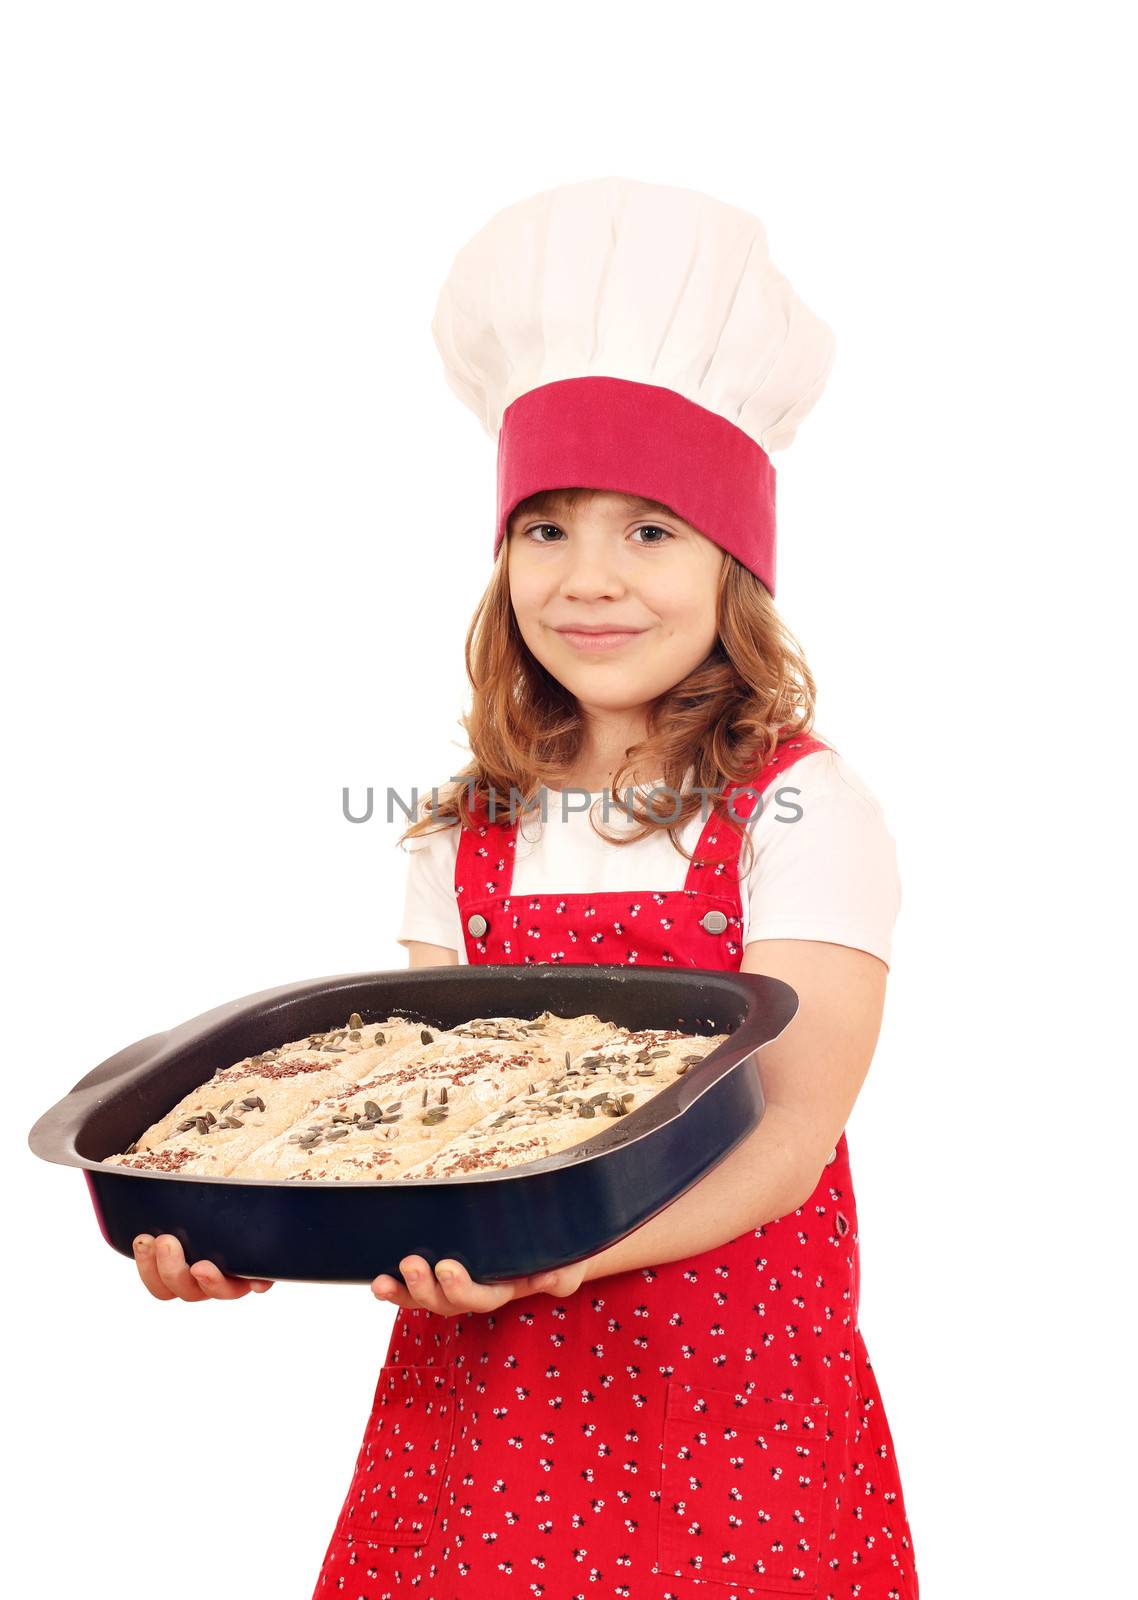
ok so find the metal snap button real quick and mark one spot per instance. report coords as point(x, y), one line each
point(476, 925)
point(713, 922)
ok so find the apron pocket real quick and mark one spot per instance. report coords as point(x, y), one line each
point(402, 1461)
point(741, 1490)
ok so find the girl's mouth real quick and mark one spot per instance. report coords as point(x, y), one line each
point(598, 641)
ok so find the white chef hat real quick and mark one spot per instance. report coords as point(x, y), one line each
point(634, 337)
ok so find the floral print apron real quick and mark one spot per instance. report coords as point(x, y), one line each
point(696, 1430)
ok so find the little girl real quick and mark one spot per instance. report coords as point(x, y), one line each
point(691, 1413)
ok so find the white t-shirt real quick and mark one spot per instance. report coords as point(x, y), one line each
point(825, 864)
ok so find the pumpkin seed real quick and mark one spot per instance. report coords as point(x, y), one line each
point(355, 1020)
point(425, 1036)
point(370, 1108)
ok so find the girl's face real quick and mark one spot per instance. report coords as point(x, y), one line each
point(616, 600)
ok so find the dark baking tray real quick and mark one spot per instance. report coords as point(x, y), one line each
point(498, 1224)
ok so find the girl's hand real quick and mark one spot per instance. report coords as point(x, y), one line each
point(450, 1290)
point(162, 1267)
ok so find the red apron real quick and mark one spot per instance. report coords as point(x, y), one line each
point(695, 1430)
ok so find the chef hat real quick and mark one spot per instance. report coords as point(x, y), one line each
point(634, 337)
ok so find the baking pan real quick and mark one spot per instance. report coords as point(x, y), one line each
point(498, 1224)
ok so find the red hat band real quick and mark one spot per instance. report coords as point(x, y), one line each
point(638, 438)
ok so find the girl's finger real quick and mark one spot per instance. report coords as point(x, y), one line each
point(537, 1283)
point(560, 1281)
point(215, 1285)
point(392, 1292)
point(462, 1293)
point(420, 1280)
point(147, 1264)
point(172, 1268)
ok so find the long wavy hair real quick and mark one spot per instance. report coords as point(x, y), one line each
point(721, 722)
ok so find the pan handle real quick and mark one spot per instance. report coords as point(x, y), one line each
point(43, 1137)
point(752, 1033)
point(120, 1065)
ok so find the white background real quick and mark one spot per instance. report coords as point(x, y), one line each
point(248, 524)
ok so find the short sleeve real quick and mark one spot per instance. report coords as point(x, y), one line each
point(430, 912)
point(825, 863)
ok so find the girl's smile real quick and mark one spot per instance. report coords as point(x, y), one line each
point(582, 638)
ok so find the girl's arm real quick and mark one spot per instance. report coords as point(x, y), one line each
point(430, 955)
point(811, 1076)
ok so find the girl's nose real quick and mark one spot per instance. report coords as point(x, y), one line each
point(591, 575)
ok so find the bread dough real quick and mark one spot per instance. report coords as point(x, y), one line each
point(401, 1099)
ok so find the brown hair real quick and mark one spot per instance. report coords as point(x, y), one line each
point(724, 719)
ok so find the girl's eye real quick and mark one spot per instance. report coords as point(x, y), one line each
point(537, 529)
